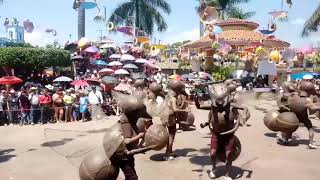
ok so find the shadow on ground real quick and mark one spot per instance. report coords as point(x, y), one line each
point(179, 152)
point(56, 143)
point(5, 155)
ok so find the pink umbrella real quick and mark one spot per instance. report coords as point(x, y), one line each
point(305, 50)
point(92, 49)
point(79, 83)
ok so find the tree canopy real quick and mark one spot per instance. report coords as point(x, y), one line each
point(34, 58)
point(146, 14)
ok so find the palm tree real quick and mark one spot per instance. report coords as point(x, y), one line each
point(145, 13)
point(312, 24)
point(236, 12)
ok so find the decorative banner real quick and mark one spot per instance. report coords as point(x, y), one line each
point(279, 14)
point(126, 30)
point(50, 30)
point(28, 26)
point(209, 15)
point(88, 5)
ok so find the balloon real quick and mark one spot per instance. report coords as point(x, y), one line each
point(217, 29)
point(275, 56)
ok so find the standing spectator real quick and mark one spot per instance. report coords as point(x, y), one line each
point(95, 100)
point(58, 105)
point(13, 107)
point(84, 101)
point(68, 101)
point(35, 105)
point(2, 104)
point(45, 102)
point(24, 104)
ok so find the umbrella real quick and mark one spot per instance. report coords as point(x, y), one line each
point(150, 65)
point(142, 61)
point(71, 45)
point(109, 80)
point(106, 71)
point(306, 50)
point(78, 57)
point(9, 80)
point(127, 57)
point(138, 76)
point(83, 41)
point(121, 72)
point(176, 77)
point(130, 66)
point(62, 79)
point(186, 76)
point(300, 75)
point(92, 49)
point(106, 46)
point(79, 83)
point(307, 76)
point(115, 56)
point(93, 80)
point(100, 63)
point(115, 63)
point(123, 87)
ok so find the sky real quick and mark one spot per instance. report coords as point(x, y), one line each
point(183, 22)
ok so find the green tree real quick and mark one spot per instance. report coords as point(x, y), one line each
point(145, 12)
point(312, 24)
point(227, 8)
point(33, 58)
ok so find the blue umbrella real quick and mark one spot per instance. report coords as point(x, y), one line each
point(300, 75)
point(100, 63)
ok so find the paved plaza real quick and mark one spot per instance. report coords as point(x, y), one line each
point(52, 152)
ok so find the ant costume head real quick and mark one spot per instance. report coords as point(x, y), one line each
point(220, 97)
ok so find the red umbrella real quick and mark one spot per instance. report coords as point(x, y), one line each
point(79, 83)
point(9, 80)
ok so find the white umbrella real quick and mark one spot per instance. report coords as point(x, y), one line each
point(106, 46)
point(142, 61)
point(127, 57)
point(308, 76)
point(115, 63)
point(121, 72)
point(115, 56)
point(63, 79)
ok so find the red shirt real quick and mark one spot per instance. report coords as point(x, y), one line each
point(45, 99)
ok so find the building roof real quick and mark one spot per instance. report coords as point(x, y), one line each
point(238, 36)
point(237, 22)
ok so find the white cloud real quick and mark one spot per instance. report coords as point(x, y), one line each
point(298, 21)
point(37, 38)
point(191, 34)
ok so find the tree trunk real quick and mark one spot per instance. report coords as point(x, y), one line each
point(137, 24)
point(81, 23)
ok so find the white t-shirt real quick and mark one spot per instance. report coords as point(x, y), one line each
point(95, 98)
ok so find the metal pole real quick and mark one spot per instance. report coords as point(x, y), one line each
point(81, 23)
